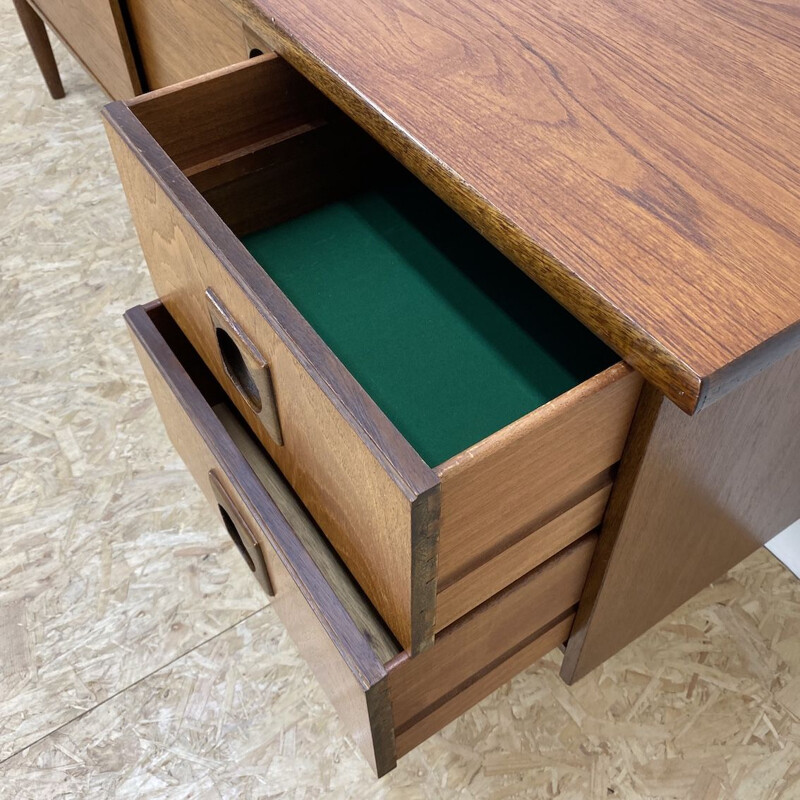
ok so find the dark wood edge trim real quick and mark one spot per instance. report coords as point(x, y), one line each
point(384, 441)
point(349, 641)
point(133, 56)
point(425, 520)
point(747, 366)
point(642, 427)
point(379, 712)
point(133, 74)
point(119, 11)
point(641, 350)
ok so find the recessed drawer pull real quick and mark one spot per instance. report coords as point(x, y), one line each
point(243, 537)
point(245, 366)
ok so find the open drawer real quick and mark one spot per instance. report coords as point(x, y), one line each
point(389, 701)
point(447, 425)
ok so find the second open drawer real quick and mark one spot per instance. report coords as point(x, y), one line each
point(388, 701)
point(448, 426)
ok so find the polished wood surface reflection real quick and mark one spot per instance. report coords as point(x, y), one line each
point(638, 160)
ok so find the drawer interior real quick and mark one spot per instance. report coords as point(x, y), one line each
point(448, 337)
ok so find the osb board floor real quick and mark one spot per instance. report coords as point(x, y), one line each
point(137, 659)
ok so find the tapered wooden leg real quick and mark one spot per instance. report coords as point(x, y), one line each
point(36, 32)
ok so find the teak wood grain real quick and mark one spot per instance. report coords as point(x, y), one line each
point(693, 498)
point(339, 650)
point(638, 160)
point(495, 630)
point(204, 119)
point(514, 560)
point(388, 701)
point(372, 494)
point(484, 648)
point(264, 147)
point(179, 39)
point(469, 660)
point(507, 485)
point(309, 535)
point(94, 32)
point(483, 683)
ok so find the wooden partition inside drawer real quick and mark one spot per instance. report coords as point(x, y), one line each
point(206, 163)
point(388, 700)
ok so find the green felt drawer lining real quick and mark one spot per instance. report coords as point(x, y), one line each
point(450, 339)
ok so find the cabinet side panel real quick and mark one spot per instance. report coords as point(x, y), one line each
point(694, 497)
point(179, 39)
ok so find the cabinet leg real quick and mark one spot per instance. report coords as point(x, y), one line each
point(36, 32)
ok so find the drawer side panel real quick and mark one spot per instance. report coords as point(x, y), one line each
point(495, 495)
point(492, 633)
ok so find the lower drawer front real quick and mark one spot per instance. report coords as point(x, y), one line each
point(388, 701)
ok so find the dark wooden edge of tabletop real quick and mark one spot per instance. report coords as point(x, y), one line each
point(646, 354)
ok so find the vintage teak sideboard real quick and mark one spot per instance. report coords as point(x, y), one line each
point(478, 323)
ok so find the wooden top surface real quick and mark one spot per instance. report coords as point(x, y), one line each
point(640, 159)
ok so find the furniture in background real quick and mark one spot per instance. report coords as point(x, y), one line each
point(131, 46)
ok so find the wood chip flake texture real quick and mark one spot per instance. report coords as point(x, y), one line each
point(111, 562)
point(137, 660)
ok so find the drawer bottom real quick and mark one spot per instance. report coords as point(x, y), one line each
point(388, 701)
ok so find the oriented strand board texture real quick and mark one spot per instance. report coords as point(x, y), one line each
point(111, 563)
point(136, 661)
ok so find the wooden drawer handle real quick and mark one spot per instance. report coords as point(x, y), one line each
point(241, 533)
point(247, 369)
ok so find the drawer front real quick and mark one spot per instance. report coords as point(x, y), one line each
point(180, 39)
point(388, 700)
point(373, 496)
point(318, 622)
point(94, 30)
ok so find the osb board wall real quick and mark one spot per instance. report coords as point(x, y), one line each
point(137, 661)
